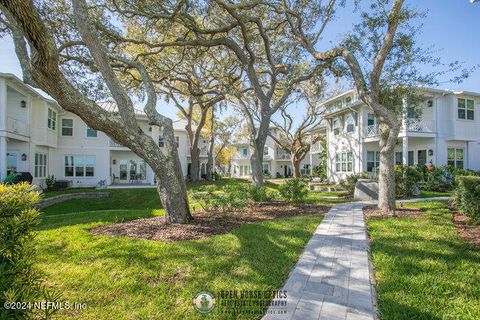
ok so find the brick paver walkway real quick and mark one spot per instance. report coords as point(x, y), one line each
point(331, 280)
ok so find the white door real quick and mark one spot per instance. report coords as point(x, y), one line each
point(12, 162)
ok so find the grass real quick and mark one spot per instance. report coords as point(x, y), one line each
point(424, 270)
point(431, 194)
point(124, 278)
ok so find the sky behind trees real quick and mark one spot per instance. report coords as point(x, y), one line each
point(451, 26)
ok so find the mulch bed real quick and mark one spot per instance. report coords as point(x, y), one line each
point(469, 233)
point(401, 212)
point(206, 223)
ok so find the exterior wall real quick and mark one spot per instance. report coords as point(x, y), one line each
point(38, 138)
point(441, 129)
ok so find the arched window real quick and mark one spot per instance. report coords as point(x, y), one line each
point(350, 123)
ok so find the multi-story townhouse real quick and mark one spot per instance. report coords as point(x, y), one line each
point(447, 132)
point(276, 161)
point(38, 136)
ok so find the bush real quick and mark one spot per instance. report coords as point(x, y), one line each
point(407, 181)
point(294, 190)
point(50, 182)
point(467, 196)
point(349, 183)
point(19, 280)
point(438, 179)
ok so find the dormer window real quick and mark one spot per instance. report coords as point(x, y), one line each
point(348, 100)
point(265, 151)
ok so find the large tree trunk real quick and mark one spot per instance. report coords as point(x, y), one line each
point(296, 166)
point(386, 178)
point(256, 161)
point(172, 190)
point(195, 164)
point(211, 146)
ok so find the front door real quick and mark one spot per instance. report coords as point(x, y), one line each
point(12, 158)
point(287, 170)
point(422, 157)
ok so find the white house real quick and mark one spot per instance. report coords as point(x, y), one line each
point(38, 136)
point(276, 161)
point(446, 133)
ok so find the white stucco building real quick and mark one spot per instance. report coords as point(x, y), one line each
point(38, 136)
point(446, 133)
point(276, 161)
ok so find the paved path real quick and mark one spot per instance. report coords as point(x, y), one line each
point(331, 280)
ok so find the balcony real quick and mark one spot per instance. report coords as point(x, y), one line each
point(115, 144)
point(241, 156)
point(18, 127)
point(371, 131)
point(418, 125)
point(316, 148)
point(283, 156)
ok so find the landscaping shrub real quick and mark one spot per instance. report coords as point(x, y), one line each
point(467, 196)
point(349, 183)
point(19, 281)
point(294, 190)
point(50, 182)
point(438, 179)
point(407, 181)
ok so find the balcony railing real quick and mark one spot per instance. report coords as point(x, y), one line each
point(371, 131)
point(240, 156)
point(417, 125)
point(18, 127)
point(283, 156)
point(114, 143)
point(316, 148)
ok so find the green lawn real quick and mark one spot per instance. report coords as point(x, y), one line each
point(424, 270)
point(124, 278)
point(431, 194)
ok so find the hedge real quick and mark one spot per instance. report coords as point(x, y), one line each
point(467, 196)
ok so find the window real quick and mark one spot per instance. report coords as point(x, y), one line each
point(348, 100)
point(245, 152)
point(398, 157)
point(92, 133)
point(52, 119)
point(265, 151)
point(161, 141)
point(79, 166)
point(40, 165)
point(411, 160)
point(350, 123)
point(67, 127)
point(371, 120)
point(422, 157)
point(266, 168)
point(177, 141)
point(466, 109)
point(455, 157)
point(344, 162)
point(336, 127)
point(373, 160)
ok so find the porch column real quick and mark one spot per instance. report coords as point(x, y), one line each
point(405, 150)
point(3, 157)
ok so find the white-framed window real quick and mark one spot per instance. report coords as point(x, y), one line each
point(455, 157)
point(79, 166)
point(52, 119)
point(336, 127)
point(245, 152)
point(266, 168)
point(348, 100)
point(344, 162)
point(67, 127)
point(265, 151)
point(371, 119)
point(40, 165)
point(466, 109)
point(350, 122)
point(91, 133)
point(398, 157)
point(244, 170)
point(373, 160)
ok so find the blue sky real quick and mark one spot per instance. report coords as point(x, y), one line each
point(453, 26)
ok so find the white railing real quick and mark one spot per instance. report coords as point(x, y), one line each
point(316, 148)
point(18, 127)
point(283, 156)
point(417, 125)
point(371, 131)
point(239, 156)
